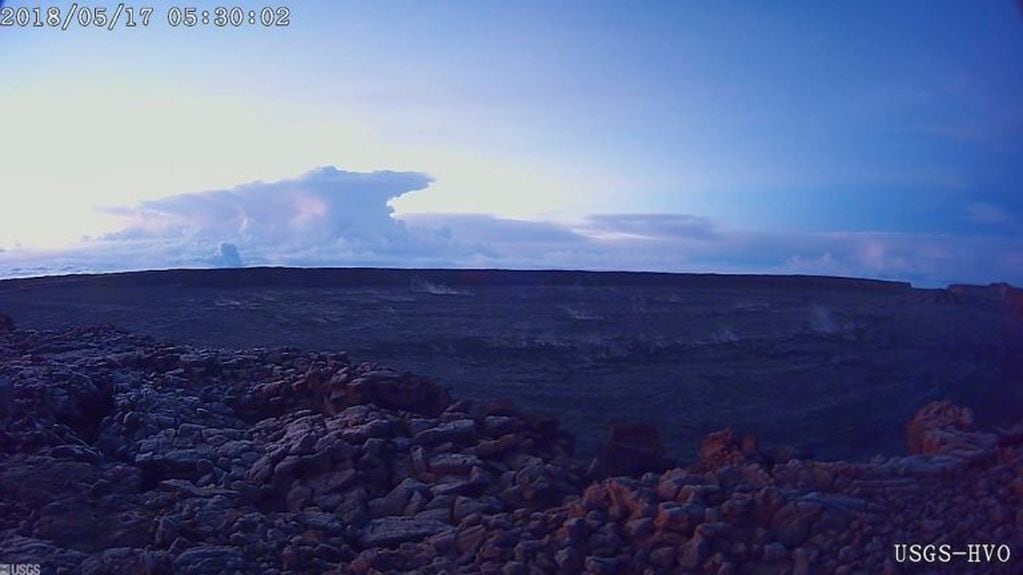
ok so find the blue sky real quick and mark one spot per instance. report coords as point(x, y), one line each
point(874, 139)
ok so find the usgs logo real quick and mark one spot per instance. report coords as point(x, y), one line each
point(945, 553)
point(19, 569)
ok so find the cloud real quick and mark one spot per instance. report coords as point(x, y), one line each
point(324, 217)
point(686, 243)
point(651, 226)
point(324, 205)
point(332, 217)
point(327, 216)
point(488, 228)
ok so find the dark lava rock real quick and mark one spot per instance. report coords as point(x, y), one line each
point(119, 454)
point(392, 531)
point(210, 559)
point(943, 427)
point(727, 447)
point(631, 449)
point(405, 391)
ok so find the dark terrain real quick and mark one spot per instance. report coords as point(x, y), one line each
point(835, 366)
point(123, 455)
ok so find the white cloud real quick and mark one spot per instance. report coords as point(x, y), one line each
point(323, 206)
point(70, 147)
point(332, 217)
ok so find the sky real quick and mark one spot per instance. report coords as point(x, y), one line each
point(857, 138)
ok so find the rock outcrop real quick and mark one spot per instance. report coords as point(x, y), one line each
point(119, 454)
point(631, 449)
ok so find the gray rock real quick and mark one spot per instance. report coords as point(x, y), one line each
point(792, 524)
point(458, 430)
point(326, 522)
point(394, 503)
point(694, 552)
point(569, 560)
point(210, 559)
point(393, 531)
point(453, 463)
point(497, 425)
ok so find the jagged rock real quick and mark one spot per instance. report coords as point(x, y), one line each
point(934, 423)
point(210, 559)
point(38, 481)
point(392, 531)
point(494, 447)
point(944, 428)
point(119, 454)
point(694, 552)
point(127, 560)
point(727, 447)
point(569, 560)
point(326, 522)
point(792, 523)
point(396, 502)
point(498, 425)
point(453, 463)
point(17, 549)
point(331, 481)
point(405, 391)
point(454, 431)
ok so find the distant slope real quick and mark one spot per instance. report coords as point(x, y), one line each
point(833, 364)
point(386, 277)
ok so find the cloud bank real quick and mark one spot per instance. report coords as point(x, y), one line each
point(332, 217)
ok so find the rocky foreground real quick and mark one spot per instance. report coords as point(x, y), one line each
point(119, 454)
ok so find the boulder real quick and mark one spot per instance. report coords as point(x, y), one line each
point(943, 428)
point(390, 390)
point(128, 560)
point(210, 559)
point(453, 463)
point(454, 431)
point(393, 531)
point(727, 447)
